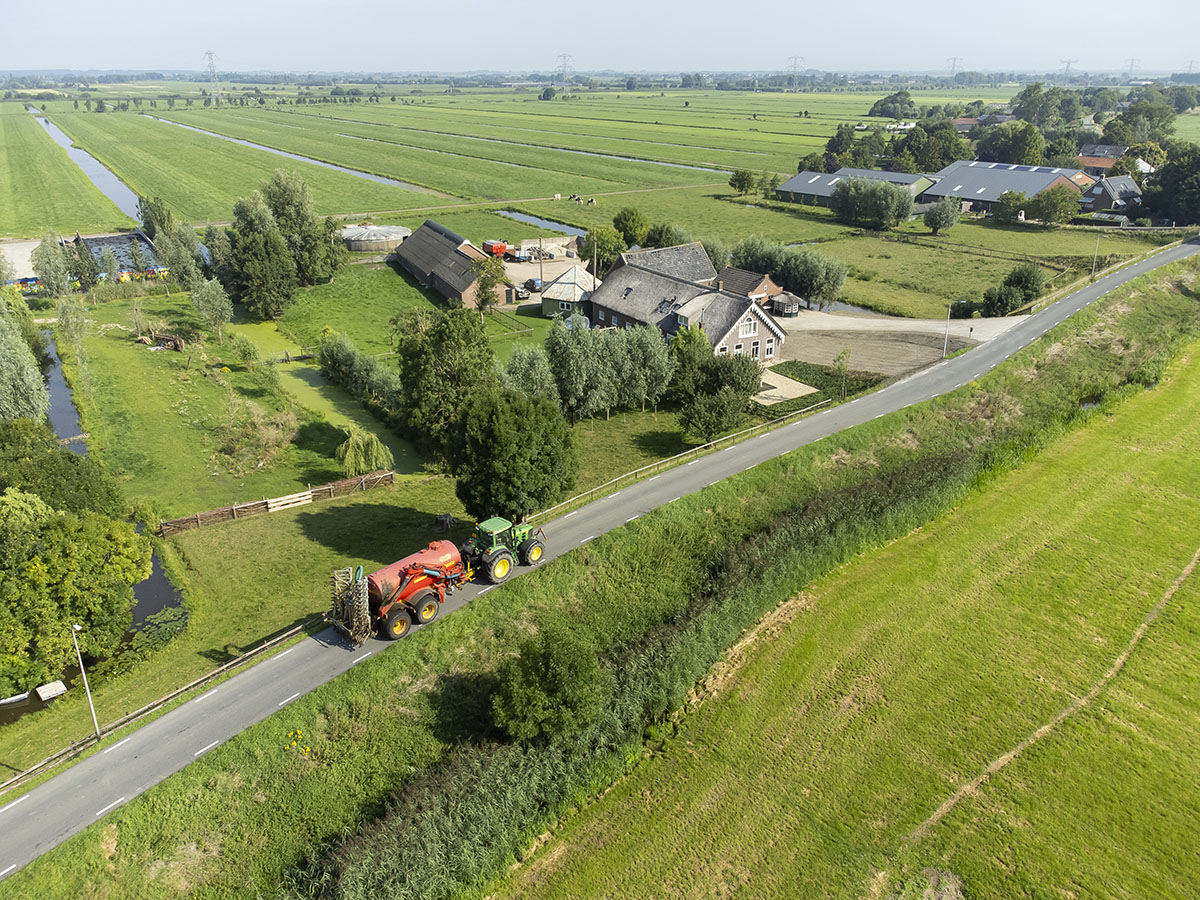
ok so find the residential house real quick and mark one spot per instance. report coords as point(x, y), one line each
point(569, 294)
point(759, 288)
point(978, 185)
point(1118, 194)
point(816, 188)
point(652, 287)
point(441, 260)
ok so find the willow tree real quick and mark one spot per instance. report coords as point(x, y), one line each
point(362, 453)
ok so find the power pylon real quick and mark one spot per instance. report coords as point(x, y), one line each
point(564, 66)
point(1132, 61)
point(954, 61)
point(212, 77)
point(1068, 63)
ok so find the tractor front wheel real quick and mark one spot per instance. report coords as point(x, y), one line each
point(531, 552)
point(397, 623)
point(499, 566)
point(427, 607)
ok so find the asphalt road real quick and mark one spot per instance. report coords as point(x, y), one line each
point(83, 794)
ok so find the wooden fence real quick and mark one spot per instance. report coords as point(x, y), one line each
point(275, 504)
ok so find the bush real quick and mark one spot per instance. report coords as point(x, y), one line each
point(1000, 301)
point(963, 309)
point(867, 203)
point(1029, 279)
point(552, 688)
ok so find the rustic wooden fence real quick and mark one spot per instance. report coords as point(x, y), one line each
point(275, 504)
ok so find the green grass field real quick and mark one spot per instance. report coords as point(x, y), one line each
point(863, 703)
point(202, 176)
point(41, 188)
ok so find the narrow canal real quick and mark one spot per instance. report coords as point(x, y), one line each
point(103, 178)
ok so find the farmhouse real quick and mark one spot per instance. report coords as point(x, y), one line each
point(978, 185)
point(816, 188)
point(651, 287)
point(1117, 194)
point(759, 288)
point(441, 260)
point(569, 294)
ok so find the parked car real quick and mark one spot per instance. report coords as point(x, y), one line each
point(519, 292)
point(534, 284)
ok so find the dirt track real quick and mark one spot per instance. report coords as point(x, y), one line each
point(886, 353)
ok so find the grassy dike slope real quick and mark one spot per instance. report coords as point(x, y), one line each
point(253, 815)
point(869, 698)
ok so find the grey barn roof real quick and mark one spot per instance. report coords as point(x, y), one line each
point(1110, 151)
point(739, 281)
point(686, 261)
point(986, 181)
point(432, 254)
point(823, 184)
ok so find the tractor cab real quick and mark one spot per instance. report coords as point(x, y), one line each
point(496, 543)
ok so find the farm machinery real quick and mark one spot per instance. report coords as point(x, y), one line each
point(412, 590)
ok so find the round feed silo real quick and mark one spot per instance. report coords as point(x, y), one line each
point(374, 238)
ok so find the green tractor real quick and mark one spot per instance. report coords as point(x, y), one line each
point(497, 543)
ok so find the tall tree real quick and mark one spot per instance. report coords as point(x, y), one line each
point(362, 453)
point(813, 277)
point(1009, 206)
point(649, 354)
point(511, 454)
point(742, 181)
point(287, 195)
point(718, 253)
point(489, 275)
point(632, 225)
point(943, 215)
point(178, 249)
point(571, 351)
point(58, 569)
point(264, 273)
point(156, 217)
point(1055, 205)
point(51, 266)
point(528, 372)
point(214, 306)
point(666, 234)
point(868, 203)
point(441, 369)
point(22, 392)
point(605, 244)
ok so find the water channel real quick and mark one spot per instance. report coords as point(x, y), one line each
point(153, 595)
point(378, 179)
point(103, 178)
point(542, 223)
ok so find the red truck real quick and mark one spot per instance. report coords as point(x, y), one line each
point(495, 248)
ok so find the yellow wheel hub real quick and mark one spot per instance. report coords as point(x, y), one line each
point(535, 554)
point(502, 567)
point(399, 627)
point(428, 610)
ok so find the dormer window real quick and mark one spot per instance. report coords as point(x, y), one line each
point(683, 320)
point(749, 327)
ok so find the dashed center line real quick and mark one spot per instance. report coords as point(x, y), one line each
point(118, 744)
point(631, 518)
point(613, 494)
point(9, 869)
point(283, 654)
point(14, 803)
point(568, 515)
point(110, 806)
point(364, 656)
point(586, 539)
point(288, 700)
point(652, 478)
point(206, 748)
point(693, 462)
point(485, 590)
point(672, 501)
point(205, 696)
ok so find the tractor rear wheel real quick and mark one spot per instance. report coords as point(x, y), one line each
point(499, 566)
point(397, 623)
point(531, 552)
point(427, 607)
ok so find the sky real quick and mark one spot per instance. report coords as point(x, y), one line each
point(625, 35)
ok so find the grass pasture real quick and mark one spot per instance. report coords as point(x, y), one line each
point(865, 701)
point(202, 176)
point(41, 188)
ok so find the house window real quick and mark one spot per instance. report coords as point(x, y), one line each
point(722, 350)
point(600, 314)
point(754, 350)
point(564, 305)
point(737, 349)
point(770, 347)
point(749, 327)
point(682, 320)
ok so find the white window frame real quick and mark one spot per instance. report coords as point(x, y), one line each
point(770, 350)
point(737, 349)
point(600, 314)
point(565, 305)
point(748, 327)
point(722, 350)
point(755, 348)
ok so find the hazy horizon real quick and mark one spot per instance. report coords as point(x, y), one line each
point(319, 36)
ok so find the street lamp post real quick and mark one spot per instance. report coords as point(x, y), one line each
point(1095, 257)
point(87, 690)
point(946, 342)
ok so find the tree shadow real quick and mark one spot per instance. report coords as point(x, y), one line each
point(462, 708)
point(231, 651)
point(662, 443)
point(319, 437)
point(377, 532)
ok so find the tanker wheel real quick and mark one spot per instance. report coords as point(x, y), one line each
point(397, 623)
point(499, 567)
point(531, 552)
point(427, 607)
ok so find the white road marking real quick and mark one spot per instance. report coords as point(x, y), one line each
point(110, 806)
point(748, 468)
point(288, 700)
point(361, 658)
point(118, 744)
point(485, 590)
point(9, 869)
point(586, 539)
point(613, 494)
point(957, 386)
point(656, 476)
point(203, 696)
point(14, 803)
point(672, 501)
point(206, 749)
point(284, 653)
point(568, 515)
point(693, 462)
point(631, 518)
